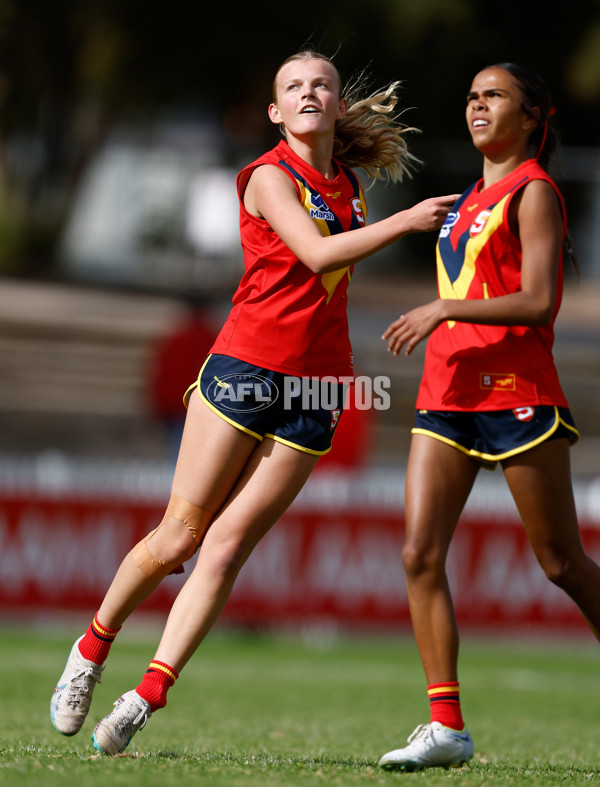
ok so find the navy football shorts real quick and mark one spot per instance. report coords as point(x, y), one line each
point(492, 436)
point(300, 412)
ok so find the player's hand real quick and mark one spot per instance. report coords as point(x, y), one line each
point(411, 328)
point(430, 214)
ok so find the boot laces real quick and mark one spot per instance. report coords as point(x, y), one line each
point(126, 726)
point(422, 732)
point(80, 684)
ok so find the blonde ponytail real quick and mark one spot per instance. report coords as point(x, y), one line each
point(371, 135)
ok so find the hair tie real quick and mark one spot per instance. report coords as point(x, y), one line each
point(543, 142)
point(550, 112)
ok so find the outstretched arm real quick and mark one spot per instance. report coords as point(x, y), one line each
point(271, 195)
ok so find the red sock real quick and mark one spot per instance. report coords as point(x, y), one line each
point(156, 682)
point(96, 641)
point(444, 703)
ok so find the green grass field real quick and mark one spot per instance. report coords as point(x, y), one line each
point(261, 710)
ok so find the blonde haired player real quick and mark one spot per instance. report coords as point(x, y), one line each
point(302, 219)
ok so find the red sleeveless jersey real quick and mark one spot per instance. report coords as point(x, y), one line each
point(488, 367)
point(284, 316)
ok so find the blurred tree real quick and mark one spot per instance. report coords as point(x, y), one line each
point(70, 69)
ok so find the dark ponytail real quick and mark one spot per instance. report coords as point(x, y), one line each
point(543, 142)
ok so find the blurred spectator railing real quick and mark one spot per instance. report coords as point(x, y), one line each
point(332, 561)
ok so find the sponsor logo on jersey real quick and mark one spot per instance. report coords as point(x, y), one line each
point(451, 220)
point(319, 209)
point(497, 381)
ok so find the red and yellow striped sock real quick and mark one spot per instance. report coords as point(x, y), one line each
point(95, 643)
point(156, 682)
point(444, 704)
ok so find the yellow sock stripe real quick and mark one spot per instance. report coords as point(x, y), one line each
point(160, 667)
point(443, 690)
point(110, 633)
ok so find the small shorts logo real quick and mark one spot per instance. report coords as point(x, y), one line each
point(242, 392)
point(524, 413)
point(335, 417)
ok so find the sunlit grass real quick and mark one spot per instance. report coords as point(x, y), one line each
point(266, 710)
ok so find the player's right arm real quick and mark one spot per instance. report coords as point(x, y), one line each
point(271, 195)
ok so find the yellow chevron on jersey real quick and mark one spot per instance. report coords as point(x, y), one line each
point(469, 251)
point(473, 366)
point(331, 280)
point(325, 220)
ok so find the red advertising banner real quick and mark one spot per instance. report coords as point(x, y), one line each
point(332, 560)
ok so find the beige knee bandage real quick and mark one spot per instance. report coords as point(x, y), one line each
point(193, 517)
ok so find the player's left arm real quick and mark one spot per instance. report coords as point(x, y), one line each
point(536, 218)
point(540, 230)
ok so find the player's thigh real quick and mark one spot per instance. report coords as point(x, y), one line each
point(540, 483)
point(270, 481)
point(211, 458)
point(439, 479)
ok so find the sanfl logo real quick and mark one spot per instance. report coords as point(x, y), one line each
point(479, 223)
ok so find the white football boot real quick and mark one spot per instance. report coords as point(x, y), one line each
point(113, 732)
point(72, 696)
point(431, 745)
